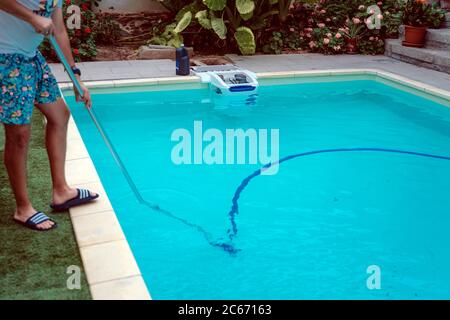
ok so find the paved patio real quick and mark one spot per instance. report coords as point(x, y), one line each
point(118, 70)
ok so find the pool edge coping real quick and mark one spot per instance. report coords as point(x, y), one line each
point(111, 270)
point(100, 243)
point(378, 73)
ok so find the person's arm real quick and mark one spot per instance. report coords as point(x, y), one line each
point(42, 25)
point(62, 38)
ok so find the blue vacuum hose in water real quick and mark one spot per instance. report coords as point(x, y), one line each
point(232, 232)
point(228, 245)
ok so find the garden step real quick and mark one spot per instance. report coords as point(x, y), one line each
point(435, 38)
point(431, 58)
point(438, 38)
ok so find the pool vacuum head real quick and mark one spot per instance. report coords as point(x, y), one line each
point(230, 86)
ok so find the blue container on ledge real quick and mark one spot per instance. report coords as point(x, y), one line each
point(182, 61)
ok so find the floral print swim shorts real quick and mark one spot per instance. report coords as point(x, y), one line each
point(24, 82)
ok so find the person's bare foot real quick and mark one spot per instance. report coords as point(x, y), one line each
point(61, 196)
point(23, 214)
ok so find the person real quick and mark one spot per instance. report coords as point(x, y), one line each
point(27, 81)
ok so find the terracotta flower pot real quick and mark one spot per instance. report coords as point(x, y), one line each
point(414, 36)
point(352, 45)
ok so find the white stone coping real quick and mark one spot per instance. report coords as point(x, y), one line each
point(111, 270)
point(170, 83)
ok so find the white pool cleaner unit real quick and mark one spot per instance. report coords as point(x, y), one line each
point(230, 85)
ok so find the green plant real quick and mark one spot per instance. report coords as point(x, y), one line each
point(371, 45)
point(239, 23)
point(275, 44)
point(293, 40)
point(391, 23)
point(334, 13)
point(333, 16)
point(325, 41)
point(168, 37)
point(354, 29)
point(416, 13)
point(436, 16)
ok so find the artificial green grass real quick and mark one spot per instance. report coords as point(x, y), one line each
point(33, 264)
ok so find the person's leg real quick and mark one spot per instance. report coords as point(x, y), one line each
point(57, 115)
point(15, 159)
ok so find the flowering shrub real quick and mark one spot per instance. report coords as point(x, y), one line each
point(317, 25)
point(371, 45)
point(82, 40)
point(326, 41)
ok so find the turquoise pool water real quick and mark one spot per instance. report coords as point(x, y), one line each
point(308, 232)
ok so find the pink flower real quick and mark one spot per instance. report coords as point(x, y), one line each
point(16, 114)
point(1, 109)
point(45, 76)
point(356, 21)
point(329, 35)
point(291, 29)
point(372, 11)
point(338, 35)
point(326, 41)
point(380, 16)
point(24, 89)
point(323, 11)
point(15, 73)
point(337, 48)
point(371, 38)
point(379, 3)
point(321, 25)
point(312, 44)
point(328, 19)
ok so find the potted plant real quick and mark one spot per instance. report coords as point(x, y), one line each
point(436, 17)
point(416, 15)
point(353, 31)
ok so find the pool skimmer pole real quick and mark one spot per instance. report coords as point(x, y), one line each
point(227, 247)
point(102, 132)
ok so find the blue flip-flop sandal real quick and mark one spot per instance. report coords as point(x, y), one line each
point(36, 219)
point(84, 196)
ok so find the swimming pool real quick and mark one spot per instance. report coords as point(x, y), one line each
point(310, 231)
